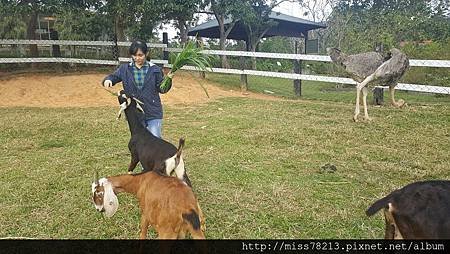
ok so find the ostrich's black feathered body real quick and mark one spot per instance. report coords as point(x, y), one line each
point(389, 69)
point(358, 66)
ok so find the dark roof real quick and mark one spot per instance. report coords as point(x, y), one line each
point(288, 26)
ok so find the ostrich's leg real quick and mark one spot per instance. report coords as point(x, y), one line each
point(366, 114)
point(358, 92)
point(359, 87)
point(400, 102)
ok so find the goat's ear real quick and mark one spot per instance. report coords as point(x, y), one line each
point(110, 201)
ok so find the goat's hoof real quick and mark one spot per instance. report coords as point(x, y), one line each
point(368, 119)
point(355, 119)
point(130, 172)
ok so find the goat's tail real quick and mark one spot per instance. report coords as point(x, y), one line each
point(171, 164)
point(180, 147)
point(179, 151)
point(381, 203)
point(194, 224)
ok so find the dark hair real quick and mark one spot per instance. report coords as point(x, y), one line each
point(136, 45)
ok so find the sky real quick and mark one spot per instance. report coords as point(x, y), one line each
point(288, 8)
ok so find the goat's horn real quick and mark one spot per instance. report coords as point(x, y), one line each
point(119, 114)
point(123, 106)
point(138, 106)
point(138, 101)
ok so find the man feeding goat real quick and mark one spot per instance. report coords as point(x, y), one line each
point(154, 153)
point(166, 203)
point(143, 79)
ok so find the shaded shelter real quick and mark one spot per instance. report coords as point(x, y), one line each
point(287, 26)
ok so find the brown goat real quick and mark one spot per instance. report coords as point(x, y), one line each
point(166, 203)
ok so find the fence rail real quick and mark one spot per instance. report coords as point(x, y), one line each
point(320, 58)
point(293, 76)
point(76, 43)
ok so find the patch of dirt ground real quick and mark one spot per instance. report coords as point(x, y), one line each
point(84, 90)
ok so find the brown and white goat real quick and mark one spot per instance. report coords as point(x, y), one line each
point(420, 210)
point(166, 203)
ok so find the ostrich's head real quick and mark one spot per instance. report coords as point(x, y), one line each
point(127, 101)
point(335, 55)
point(395, 51)
point(103, 196)
point(333, 50)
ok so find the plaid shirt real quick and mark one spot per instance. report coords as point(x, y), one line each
point(149, 93)
point(139, 74)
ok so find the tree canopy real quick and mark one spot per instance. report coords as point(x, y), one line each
point(353, 25)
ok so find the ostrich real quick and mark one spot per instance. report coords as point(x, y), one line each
point(372, 67)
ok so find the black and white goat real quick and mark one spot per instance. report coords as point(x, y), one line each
point(155, 154)
point(420, 210)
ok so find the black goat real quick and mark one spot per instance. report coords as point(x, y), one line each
point(155, 154)
point(420, 210)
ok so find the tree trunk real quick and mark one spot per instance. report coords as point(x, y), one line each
point(222, 39)
point(119, 27)
point(243, 64)
point(31, 35)
point(255, 44)
point(225, 63)
point(183, 31)
point(253, 49)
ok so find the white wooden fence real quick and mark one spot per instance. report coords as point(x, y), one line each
point(292, 76)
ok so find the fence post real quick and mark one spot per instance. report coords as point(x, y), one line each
point(298, 67)
point(297, 70)
point(242, 63)
point(165, 52)
point(165, 41)
point(378, 93)
point(244, 82)
point(56, 51)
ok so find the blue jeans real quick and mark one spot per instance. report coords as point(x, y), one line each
point(154, 127)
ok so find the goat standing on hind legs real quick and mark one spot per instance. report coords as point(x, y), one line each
point(166, 203)
point(155, 154)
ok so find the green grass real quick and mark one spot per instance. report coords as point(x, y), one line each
point(255, 166)
point(317, 90)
